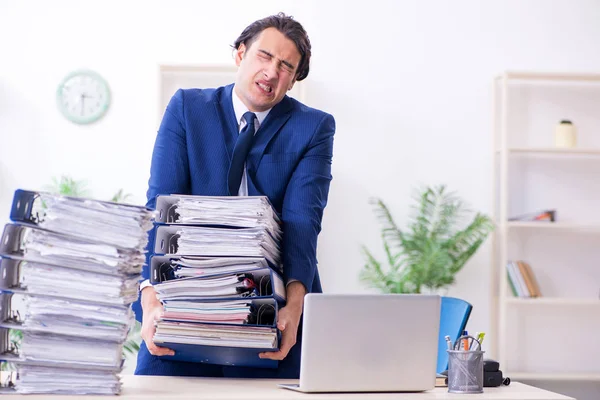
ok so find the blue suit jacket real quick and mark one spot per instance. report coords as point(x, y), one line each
point(290, 163)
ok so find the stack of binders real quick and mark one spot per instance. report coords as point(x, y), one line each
point(217, 270)
point(74, 266)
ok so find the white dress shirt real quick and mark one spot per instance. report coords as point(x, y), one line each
point(239, 108)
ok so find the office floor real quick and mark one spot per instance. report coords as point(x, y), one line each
point(585, 390)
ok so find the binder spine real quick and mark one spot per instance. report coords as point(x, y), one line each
point(160, 269)
point(165, 209)
point(22, 207)
point(11, 241)
point(9, 351)
point(166, 240)
point(7, 314)
point(9, 274)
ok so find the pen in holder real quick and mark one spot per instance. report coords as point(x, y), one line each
point(465, 366)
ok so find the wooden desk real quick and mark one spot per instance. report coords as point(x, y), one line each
point(162, 387)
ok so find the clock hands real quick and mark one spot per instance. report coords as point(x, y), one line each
point(83, 97)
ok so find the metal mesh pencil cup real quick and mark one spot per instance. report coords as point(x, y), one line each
point(465, 371)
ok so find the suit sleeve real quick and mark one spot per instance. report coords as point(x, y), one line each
point(303, 204)
point(169, 170)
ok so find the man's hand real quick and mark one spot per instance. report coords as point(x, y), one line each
point(288, 320)
point(152, 311)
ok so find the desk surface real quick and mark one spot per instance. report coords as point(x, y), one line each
point(162, 387)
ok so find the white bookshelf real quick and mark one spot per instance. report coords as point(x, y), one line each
point(530, 336)
point(551, 151)
point(552, 301)
point(554, 226)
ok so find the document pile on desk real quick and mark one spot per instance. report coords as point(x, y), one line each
point(76, 264)
point(219, 279)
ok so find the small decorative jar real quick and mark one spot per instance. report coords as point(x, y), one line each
point(565, 134)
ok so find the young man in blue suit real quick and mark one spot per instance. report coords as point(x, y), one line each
point(203, 148)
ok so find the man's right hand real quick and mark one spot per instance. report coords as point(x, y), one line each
point(152, 311)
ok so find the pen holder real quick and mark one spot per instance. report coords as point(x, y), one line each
point(465, 371)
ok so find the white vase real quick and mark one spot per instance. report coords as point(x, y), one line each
point(565, 135)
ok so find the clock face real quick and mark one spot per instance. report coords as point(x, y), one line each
point(83, 97)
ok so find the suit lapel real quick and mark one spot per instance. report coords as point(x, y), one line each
point(224, 107)
point(267, 131)
point(269, 128)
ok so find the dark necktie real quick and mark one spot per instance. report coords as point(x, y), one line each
point(240, 152)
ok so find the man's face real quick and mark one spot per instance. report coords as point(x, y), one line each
point(267, 70)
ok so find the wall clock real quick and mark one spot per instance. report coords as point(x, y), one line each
point(83, 97)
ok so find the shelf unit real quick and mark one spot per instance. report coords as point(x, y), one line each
point(520, 338)
point(553, 226)
point(549, 150)
point(553, 301)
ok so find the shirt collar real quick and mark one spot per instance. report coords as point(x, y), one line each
point(240, 109)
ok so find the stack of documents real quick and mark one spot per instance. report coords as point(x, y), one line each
point(74, 264)
point(231, 336)
point(46, 279)
point(216, 269)
point(218, 226)
point(191, 266)
point(31, 377)
point(246, 242)
point(237, 212)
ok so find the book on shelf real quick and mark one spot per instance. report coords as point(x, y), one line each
point(541, 216)
point(521, 279)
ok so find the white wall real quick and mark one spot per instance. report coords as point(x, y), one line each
point(408, 82)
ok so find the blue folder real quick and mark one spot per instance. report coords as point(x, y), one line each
point(231, 356)
point(453, 320)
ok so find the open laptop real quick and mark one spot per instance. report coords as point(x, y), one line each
point(369, 343)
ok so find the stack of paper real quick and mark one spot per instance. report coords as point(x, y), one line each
point(99, 222)
point(53, 248)
point(191, 266)
point(48, 279)
point(245, 242)
point(225, 336)
point(234, 311)
point(76, 263)
point(216, 270)
point(237, 212)
point(88, 320)
point(32, 377)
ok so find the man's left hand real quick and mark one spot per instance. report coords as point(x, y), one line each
point(288, 320)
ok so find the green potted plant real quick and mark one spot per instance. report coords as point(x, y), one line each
point(435, 246)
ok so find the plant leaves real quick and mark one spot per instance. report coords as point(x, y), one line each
point(433, 248)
